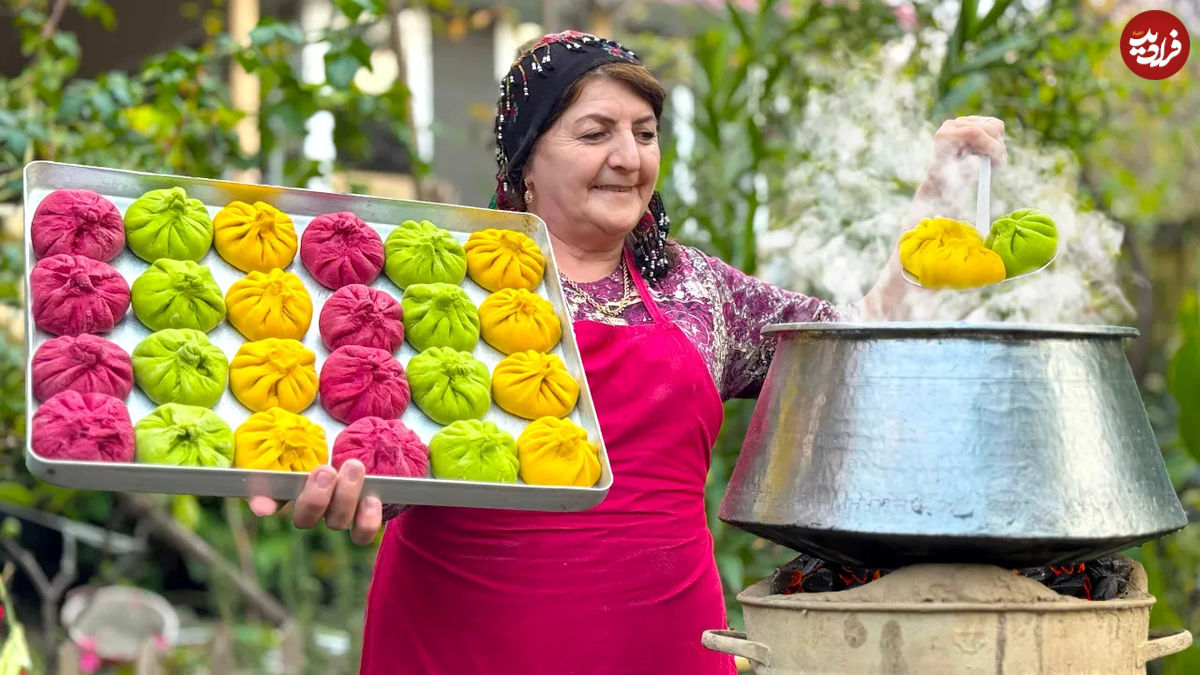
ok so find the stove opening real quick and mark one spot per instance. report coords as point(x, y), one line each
point(1100, 579)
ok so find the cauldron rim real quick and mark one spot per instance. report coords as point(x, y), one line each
point(923, 329)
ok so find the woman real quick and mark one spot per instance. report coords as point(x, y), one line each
point(666, 334)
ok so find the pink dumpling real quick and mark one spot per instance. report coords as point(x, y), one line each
point(359, 382)
point(77, 222)
point(339, 249)
point(74, 294)
point(361, 315)
point(83, 427)
point(385, 447)
point(86, 363)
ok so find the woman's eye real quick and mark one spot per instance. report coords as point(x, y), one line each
point(648, 135)
point(593, 136)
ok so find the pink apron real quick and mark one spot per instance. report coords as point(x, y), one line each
point(626, 587)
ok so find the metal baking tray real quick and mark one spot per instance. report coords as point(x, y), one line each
point(123, 187)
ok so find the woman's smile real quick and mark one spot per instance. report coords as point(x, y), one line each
point(614, 189)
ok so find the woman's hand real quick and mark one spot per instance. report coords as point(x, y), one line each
point(335, 497)
point(953, 168)
point(982, 135)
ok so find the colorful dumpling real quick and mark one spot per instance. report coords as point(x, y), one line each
point(78, 222)
point(385, 447)
point(555, 451)
point(532, 384)
point(339, 249)
point(359, 382)
point(73, 294)
point(440, 315)
point(274, 373)
point(423, 253)
point(1025, 240)
point(449, 385)
point(269, 304)
point(256, 238)
point(184, 435)
point(177, 294)
point(499, 259)
point(86, 363)
point(278, 440)
point(167, 223)
point(180, 365)
point(515, 320)
point(83, 427)
point(474, 450)
point(946, 253)
point(361, 315)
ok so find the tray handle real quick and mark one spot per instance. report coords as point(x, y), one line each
point(735, 642)
point(1164, 642)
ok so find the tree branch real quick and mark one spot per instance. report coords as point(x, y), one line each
point(55, 16)
point(192, 545)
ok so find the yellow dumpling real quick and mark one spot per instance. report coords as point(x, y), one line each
point(499, 259)
point(515, 320)
point(531, 384)
point(552, 451)
point(256, 238)
point(278, 440)
point(274, 373)
point(269, 304)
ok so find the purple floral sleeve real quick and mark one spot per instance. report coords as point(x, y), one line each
point(749, 304)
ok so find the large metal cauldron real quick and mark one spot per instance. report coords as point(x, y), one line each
point(892, 444)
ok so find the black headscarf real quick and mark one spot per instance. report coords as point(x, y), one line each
point(529, 95)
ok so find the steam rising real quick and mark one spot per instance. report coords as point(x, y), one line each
point(845, 207)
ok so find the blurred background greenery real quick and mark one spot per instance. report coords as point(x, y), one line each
point(787, 120)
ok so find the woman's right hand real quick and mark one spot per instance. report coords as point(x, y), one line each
point(334, 496)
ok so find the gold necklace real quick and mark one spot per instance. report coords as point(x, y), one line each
point(614, 308)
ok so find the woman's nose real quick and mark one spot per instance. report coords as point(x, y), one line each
point(624, 155)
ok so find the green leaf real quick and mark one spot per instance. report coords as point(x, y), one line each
point(269, 30)
point(1183, 376)
point(100, 10)
point(340, 69)
point(993, 53)
point(361, 51)
point(15, 493)
point(186, 510)
point(733, 570)
point(352, 8)
point(66, 43)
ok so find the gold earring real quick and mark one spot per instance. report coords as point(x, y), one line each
point(528, 196)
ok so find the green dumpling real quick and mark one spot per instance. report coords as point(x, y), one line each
point(474, 450)
point(177, 294)
point(180, 365)
point(184, 435)
point(167, 223)
point(449, 385)
point(1025, 240)
point(423, 253)
point(439, 315)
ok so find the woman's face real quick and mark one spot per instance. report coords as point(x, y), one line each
point(593, 171)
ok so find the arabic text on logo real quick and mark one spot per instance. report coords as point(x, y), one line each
point(1155, 44)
